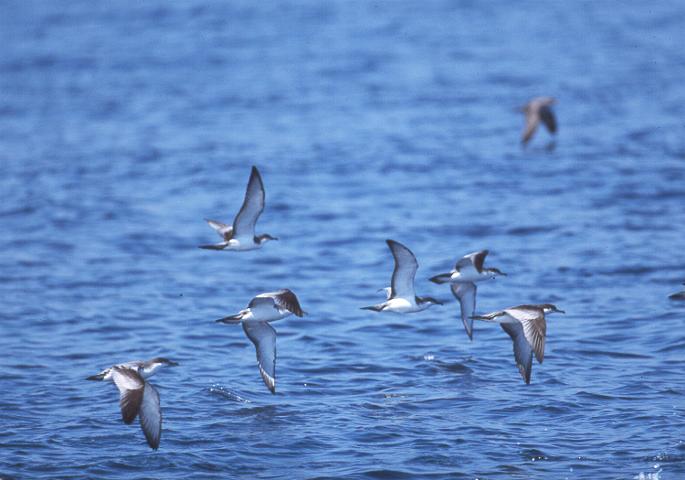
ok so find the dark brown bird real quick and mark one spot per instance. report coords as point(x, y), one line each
point(538, 110)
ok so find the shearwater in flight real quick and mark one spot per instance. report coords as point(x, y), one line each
point(137, 397)
point(527, 327)
point(468, 270)
point(262, 309)
point(241, 234)
point(401, 297)
point(538, 110)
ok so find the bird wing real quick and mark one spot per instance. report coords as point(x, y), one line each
point(466, 294)
point(282, 300)
point(224, 231)
point(253, 205)
point(534, 327)
point(548, 118)
point(490, 316)
point(130, 385)
point(215, 246)
point(532, 121)
point(151, 416)
point(262, 300)
point(402, 284)
point(475, 259)
point(263, 336)
point(286, 299)
point(387, 291)
point(523, 354)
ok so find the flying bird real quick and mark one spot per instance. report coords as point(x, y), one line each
point(526, 326)
point(241, 234)
point(468, 270)
point(262, 309)
point(401, 297)
point(138, 397)
point(538, 110)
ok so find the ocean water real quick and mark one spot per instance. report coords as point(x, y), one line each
point(124, 124)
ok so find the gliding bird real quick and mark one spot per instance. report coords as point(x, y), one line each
point(467, 271)
point(241, 235)
point(527, 327)
point(401, 297)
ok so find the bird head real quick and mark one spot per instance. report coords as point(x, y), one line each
point(549, 308)
point(265, 238)
point(164, 361)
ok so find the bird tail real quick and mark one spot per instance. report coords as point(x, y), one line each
point(375, 308)
point(442, 278)
point(215, 246)
point(99, 376)
point(231, 318)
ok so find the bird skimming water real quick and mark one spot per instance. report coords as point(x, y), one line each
point(262, 309)
point(137, 397)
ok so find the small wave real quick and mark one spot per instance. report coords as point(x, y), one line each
point(673, 347)
point(453, 367)
point(227, 394)
point(648, 476)
point(531, 229)
point(390, 474)
point(604, 353)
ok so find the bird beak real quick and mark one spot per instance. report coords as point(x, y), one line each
point(561, 311)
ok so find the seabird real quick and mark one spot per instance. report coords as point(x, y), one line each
point(467, 271)
point(262, 309)
point(401, 297)
point(241, 235)
point(678, 296)
point(538, 110)
point(137, 397)
point(527, 328)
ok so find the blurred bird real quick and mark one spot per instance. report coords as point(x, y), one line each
point(538, 110)
point(241, 235)
point(401, 297)
point(137, 397)
point(262, 309)
point(467, 271)
point(527, 327)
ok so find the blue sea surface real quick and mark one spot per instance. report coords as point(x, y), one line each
point(124, 124)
